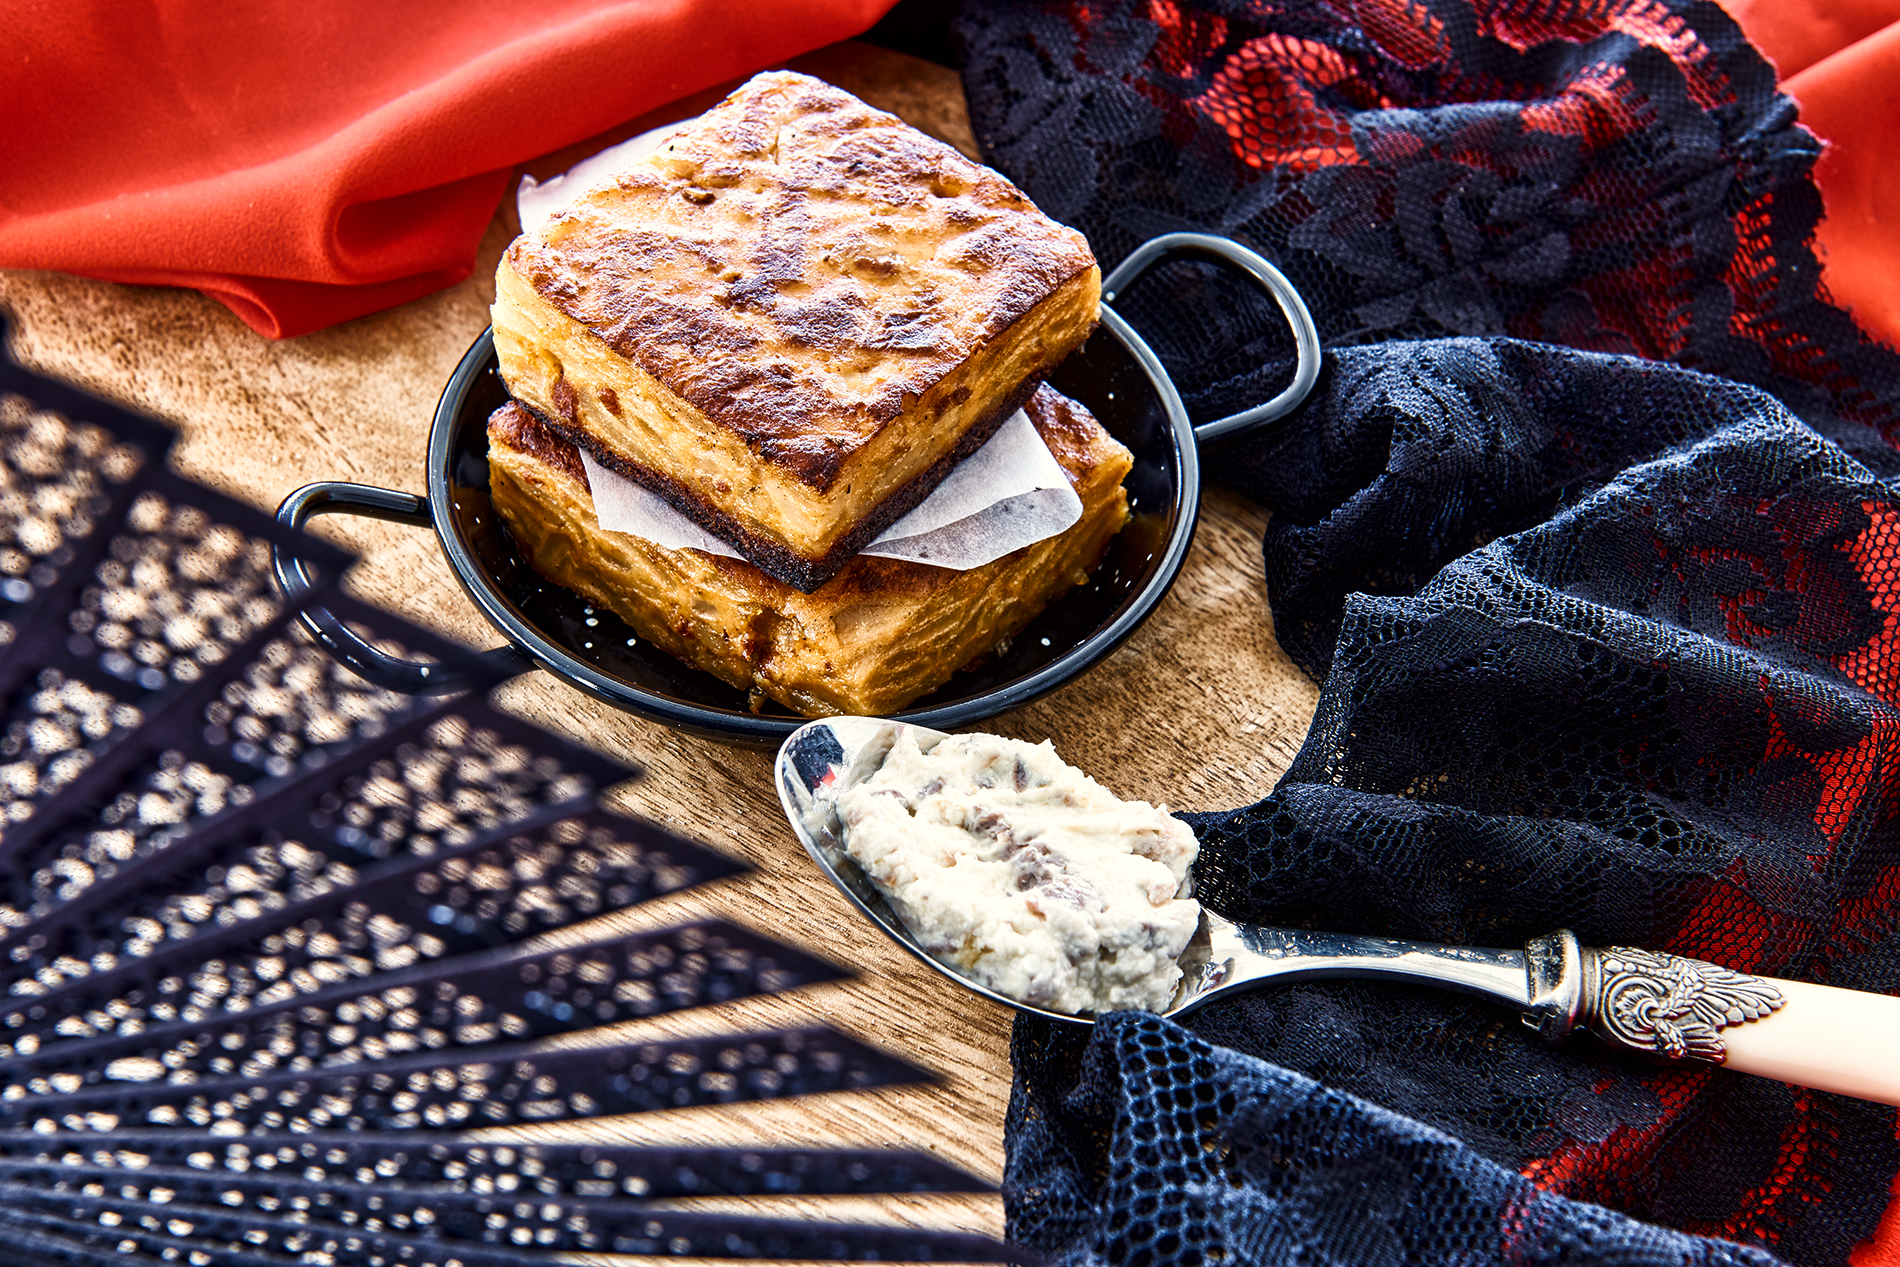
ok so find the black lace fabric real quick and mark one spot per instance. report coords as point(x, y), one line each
point(1607, 642)
point(1300, 1174)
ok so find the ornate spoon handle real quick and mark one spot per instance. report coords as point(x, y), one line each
point(1845, 1041)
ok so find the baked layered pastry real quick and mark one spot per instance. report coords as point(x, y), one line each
point(793, 320)
point(880, 634)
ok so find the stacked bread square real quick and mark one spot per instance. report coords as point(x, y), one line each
point(790, 323)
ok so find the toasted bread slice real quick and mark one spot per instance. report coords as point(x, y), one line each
point(880, 634)
point(793, 320)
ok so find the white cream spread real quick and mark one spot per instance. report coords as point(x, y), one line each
point(1021, 872)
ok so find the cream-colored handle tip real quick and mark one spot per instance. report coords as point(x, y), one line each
point(1845, 1041)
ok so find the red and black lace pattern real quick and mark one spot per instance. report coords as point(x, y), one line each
point(1616, 175)
point(1608, 644)
point(1666, 716)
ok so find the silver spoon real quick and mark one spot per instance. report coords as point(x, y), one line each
point(1649, 1001)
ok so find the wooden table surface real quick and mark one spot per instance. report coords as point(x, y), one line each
point(1200, 709)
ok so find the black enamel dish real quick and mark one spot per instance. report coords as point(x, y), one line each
point(1114, 374)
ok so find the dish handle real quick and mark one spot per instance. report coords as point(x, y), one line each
point(406, 677)
point(1270, 279)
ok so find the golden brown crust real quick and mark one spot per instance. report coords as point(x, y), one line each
point(877, 636)
point(801, 268)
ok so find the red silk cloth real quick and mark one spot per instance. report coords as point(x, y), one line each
point(1840, 59)
point(305, 164)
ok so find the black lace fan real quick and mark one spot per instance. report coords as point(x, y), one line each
point(283, 954)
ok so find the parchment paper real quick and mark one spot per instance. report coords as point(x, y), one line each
point(1008, 494)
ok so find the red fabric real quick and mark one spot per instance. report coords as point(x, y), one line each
point(309, 163)
point(1840, 59)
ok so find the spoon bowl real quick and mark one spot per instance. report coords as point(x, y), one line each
point(817, 762)
point(822, 758)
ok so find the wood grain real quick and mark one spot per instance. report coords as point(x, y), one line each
point(1200, 709)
